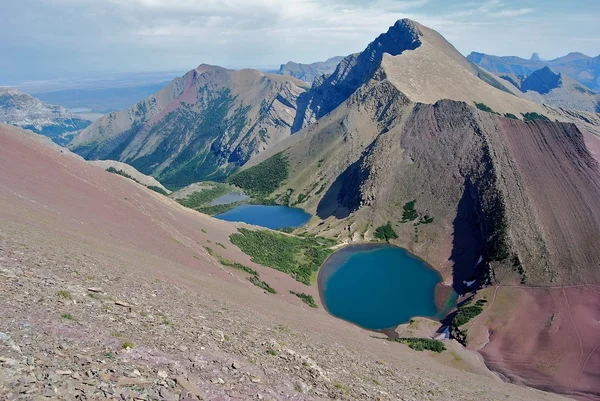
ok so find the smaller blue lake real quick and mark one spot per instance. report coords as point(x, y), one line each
point(229, 198)
point(380, 287)
point(272, 217)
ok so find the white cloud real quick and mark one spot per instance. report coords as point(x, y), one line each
point(132, 35)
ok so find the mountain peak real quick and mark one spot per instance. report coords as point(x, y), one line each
point(535, 57)
point(403, 35)
point(542, 81)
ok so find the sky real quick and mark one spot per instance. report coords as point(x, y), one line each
point(46, 39)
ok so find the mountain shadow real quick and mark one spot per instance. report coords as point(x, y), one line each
point(343, 196)
point(468, 242)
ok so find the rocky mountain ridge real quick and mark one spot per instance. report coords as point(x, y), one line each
point(582, 68)
point(308, 72)
point(23, 110)
point(203, 125)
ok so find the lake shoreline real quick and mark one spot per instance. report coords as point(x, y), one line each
point(443, 293)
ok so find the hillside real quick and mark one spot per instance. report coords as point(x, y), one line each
point(110, 291)
point(308, 72)
point(203, 125)
point(582, 68)
point(23, 110)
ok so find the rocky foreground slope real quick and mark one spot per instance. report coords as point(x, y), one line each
point(203, 125)
point(109, 293)
point(23, 110)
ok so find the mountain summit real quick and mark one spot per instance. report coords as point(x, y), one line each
point(535, 57)
point(421, 63)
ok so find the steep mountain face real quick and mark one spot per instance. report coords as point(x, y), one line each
point(582, 68)
point(308, 72)
point(203, 125)
point(23, 110)
point(499, 192)
point(395, 139)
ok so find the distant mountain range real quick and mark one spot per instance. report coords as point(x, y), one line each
point(23, 110)
point(582, 68)
point(308, 72)
point(101, 100)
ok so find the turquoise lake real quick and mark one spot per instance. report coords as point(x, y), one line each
point(272, 217)
point(379, 287)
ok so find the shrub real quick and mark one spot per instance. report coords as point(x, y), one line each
point(262, 284)
point(409, 213)
point(534, 116)
point(67, 316)
point(127, 344)
point(264, 178)
point(239, 266)
point(306, 298)
point(385, 232)
point(157, 189)
point(64, 294)
point(484, 107)
point(466, 313)
point(299, 257)
point(424, 220)
point(511, 116)
point(420, 344)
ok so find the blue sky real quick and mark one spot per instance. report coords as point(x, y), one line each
point(42, 39)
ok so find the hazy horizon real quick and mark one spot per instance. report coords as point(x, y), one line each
point(93, 38)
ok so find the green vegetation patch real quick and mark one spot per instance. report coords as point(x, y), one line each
point(306, 298)
point(511, 116)
point(113, 170)
point(157, 189)
point(239, 266)
point(534, 116)
point(262, 284)
point(264, 178)
point(124, 174)
point(421, 344)
point(427, 219)
point(409, 213)
point(484, 107)
point(466, 313)
point(299, 257)
point(385, 232)
point(204, 196)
